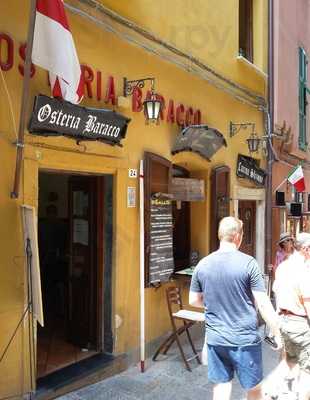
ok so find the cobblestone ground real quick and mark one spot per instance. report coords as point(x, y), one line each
point(167, 379)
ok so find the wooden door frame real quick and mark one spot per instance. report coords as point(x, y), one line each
point(100, 266)
point(148, 159)
point(100, 206)
point(254, 202)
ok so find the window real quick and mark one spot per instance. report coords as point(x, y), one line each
point(246, 29)
point(303, 65)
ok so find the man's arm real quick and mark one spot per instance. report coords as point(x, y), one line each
point(306, 302)
point(196, 299)
point(267, 312)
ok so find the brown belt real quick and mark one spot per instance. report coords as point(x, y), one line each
point(287, 312)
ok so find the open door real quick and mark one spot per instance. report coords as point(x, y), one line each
point(247, 214)
point(82, 310)
point(220, 201)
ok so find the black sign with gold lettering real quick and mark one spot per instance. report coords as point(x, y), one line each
point(247, 168)
point(161, 241)
point(54, 117)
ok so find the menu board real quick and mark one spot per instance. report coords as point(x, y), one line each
point(161, 241)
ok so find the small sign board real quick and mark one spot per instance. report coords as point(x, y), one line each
point(54, 117)
point(131, 197)
point(161, 264)
point(247, 168)
point(132, 173)
point(187, 189)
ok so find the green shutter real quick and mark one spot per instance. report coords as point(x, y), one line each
point(303, 61)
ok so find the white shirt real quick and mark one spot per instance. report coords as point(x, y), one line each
point(292, 283)
point(227, 246)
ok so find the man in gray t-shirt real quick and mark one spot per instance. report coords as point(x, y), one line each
point(226, 283)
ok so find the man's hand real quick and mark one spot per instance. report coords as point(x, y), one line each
point(279, 342)
point(267, 312)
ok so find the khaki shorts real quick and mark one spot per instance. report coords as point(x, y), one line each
point(296, 335)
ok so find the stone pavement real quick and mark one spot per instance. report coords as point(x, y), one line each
point(166, 379)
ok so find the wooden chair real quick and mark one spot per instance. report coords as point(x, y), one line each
point(188, 319)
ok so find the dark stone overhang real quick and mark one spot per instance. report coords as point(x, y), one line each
point(200, 139)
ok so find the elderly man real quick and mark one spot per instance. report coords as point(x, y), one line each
point(292, 288)
point(226, 283)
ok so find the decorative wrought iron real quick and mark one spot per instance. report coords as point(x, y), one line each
point(235, 128)
point(129, 86)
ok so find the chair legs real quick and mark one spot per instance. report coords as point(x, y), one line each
point(192, 345)
point(164, 347)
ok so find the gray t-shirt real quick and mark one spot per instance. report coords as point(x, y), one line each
point(226, 279)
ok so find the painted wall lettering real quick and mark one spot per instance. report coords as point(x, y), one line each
point(110, 94)
point(137, 100)
point(170, 112)
point(95, 83)
point(99, 85)
point(6, 52)
point(88, 77)
point(180, 119)
point(22, 53)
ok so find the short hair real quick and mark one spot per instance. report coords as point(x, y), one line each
point(229, 227)
point(303, 240)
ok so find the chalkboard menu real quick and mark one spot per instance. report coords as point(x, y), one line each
point(161, 263)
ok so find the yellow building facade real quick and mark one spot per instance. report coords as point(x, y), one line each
point(192, 51)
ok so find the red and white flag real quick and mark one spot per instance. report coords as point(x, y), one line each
point(54, 50)
point(296, 178)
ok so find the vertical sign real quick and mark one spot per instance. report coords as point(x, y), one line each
point(161, 241)
point(131, 197)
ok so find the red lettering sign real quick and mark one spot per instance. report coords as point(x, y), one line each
point(88, 77)
point(136, 100)
point(197, 117)
point(110, 94)
point(99, 85)
point(170, 112)
point(6, 64)
point(22, 53)
point(180, 115)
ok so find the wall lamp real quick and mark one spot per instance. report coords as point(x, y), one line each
point(152, 104)
point(253, 141)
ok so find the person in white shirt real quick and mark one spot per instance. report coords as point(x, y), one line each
point(292, 289)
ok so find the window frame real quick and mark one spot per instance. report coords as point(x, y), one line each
point(247, 26)
point(302, 98)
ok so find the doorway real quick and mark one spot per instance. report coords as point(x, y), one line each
point(181, 226)
point(247, 214)
point(71, 235)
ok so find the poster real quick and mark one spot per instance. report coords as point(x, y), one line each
point(80, 231)
point(161, 241)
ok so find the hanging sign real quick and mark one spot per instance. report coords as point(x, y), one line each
point(247, 168)
point(188, 189)
point(53, 117)
point(161, 241)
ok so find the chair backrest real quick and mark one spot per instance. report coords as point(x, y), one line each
point(174, 298)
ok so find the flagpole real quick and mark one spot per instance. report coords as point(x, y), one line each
point(24, 102)
point(278, 187)
point(142, 310)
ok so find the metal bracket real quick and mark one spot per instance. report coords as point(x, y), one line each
point(19, 144)
point(235, 128)
point(129, 86)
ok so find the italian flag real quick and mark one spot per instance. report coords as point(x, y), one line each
point(296, 178)
point(54, 50)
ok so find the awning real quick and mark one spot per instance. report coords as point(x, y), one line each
point(200, 139)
